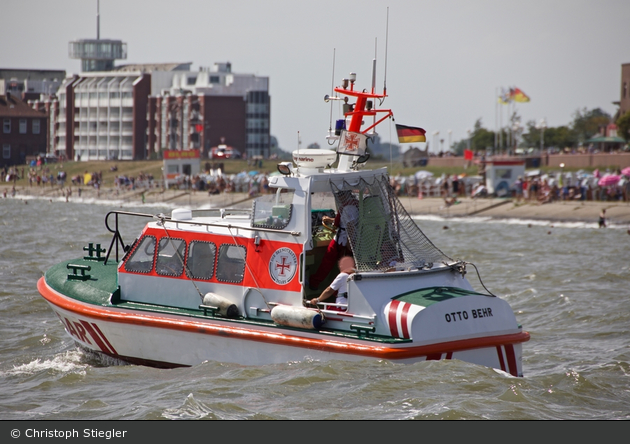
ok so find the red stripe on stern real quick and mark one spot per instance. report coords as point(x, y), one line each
point(403, 320)
point(392, 318)
point(511, 359)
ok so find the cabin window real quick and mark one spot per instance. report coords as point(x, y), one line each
point(231, 263)
point(170, 257)
point(200, 260)
point(273, 210)
point(141, 260)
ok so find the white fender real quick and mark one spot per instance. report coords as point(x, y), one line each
point(299, 317)
point(225, 306)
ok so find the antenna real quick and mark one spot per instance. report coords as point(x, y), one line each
point(374, 68)
point(98, 20)
point(332, 89)
point(386, 42)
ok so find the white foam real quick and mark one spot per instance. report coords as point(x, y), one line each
point(68, 362)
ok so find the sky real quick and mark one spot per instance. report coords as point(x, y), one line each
point(443, 61)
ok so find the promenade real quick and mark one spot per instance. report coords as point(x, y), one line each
point(617, 212)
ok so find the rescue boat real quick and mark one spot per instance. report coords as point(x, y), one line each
point(232, 285)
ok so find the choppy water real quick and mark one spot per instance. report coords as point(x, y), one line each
point(569, 285)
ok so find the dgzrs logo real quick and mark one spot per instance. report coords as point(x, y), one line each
point(282, 266)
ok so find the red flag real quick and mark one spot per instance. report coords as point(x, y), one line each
point(468, 155)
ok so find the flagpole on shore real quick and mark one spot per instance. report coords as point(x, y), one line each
point(496, 105)
point(500, 127)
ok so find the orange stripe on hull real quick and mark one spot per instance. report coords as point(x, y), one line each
point(284, 339)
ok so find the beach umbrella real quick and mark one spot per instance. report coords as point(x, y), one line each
point(533, 173)
point(611, 179)
point(422, 174)
point(626, 171)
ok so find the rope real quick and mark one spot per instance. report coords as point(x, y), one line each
point(479, 277)
point(249, 269)
point(161, 219)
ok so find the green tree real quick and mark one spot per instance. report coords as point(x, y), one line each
point(531, 136)
point(623, 126)
point(481, 138)
point(586, 123)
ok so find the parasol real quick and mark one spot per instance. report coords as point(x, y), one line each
point(609, 180)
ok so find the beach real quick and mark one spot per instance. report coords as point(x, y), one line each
point(617, 212)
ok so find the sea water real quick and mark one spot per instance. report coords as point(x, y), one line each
point(567, 283)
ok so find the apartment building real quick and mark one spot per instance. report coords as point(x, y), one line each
point(209, 107)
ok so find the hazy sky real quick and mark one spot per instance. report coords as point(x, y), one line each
point(445, 58)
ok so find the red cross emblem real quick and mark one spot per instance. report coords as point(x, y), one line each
point(283, 265)
point(352, 142)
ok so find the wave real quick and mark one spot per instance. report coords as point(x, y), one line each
point(515, 221)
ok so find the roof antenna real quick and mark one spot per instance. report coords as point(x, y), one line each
point(386, 40)
point(374, 67)
point(98, 20)
point(332, 90)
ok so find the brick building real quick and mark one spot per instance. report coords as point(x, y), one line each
point(23, 132)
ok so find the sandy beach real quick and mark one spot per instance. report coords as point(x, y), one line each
point(617, 212)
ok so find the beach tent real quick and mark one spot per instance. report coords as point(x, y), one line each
point(607, 143)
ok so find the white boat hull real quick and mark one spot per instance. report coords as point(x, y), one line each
point(163, 340)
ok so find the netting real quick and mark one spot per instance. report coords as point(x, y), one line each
point(380, 231)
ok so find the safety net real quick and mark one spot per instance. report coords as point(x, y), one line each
point(381, 233)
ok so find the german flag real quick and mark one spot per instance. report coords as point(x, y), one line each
point(520, 96)
point(408, 134)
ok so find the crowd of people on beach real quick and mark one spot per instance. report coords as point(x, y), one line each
point(540, 188)
point(533, 187)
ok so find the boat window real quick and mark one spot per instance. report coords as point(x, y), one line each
point(170, 257)
point(141, 260)
point(231, 263)
point(201, 259)
point(273, 210)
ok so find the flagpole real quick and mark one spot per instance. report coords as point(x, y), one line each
point(501, 126)
point(496, 105)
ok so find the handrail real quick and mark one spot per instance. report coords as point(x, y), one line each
point(117, 236)
point(117, 239)
point(228, 226)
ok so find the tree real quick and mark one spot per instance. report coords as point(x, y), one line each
point(587, 123)
point(623, 126)
point(560, 137)
point(481, 138)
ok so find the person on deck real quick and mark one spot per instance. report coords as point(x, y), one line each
point(340, 285)
point(338, 247)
